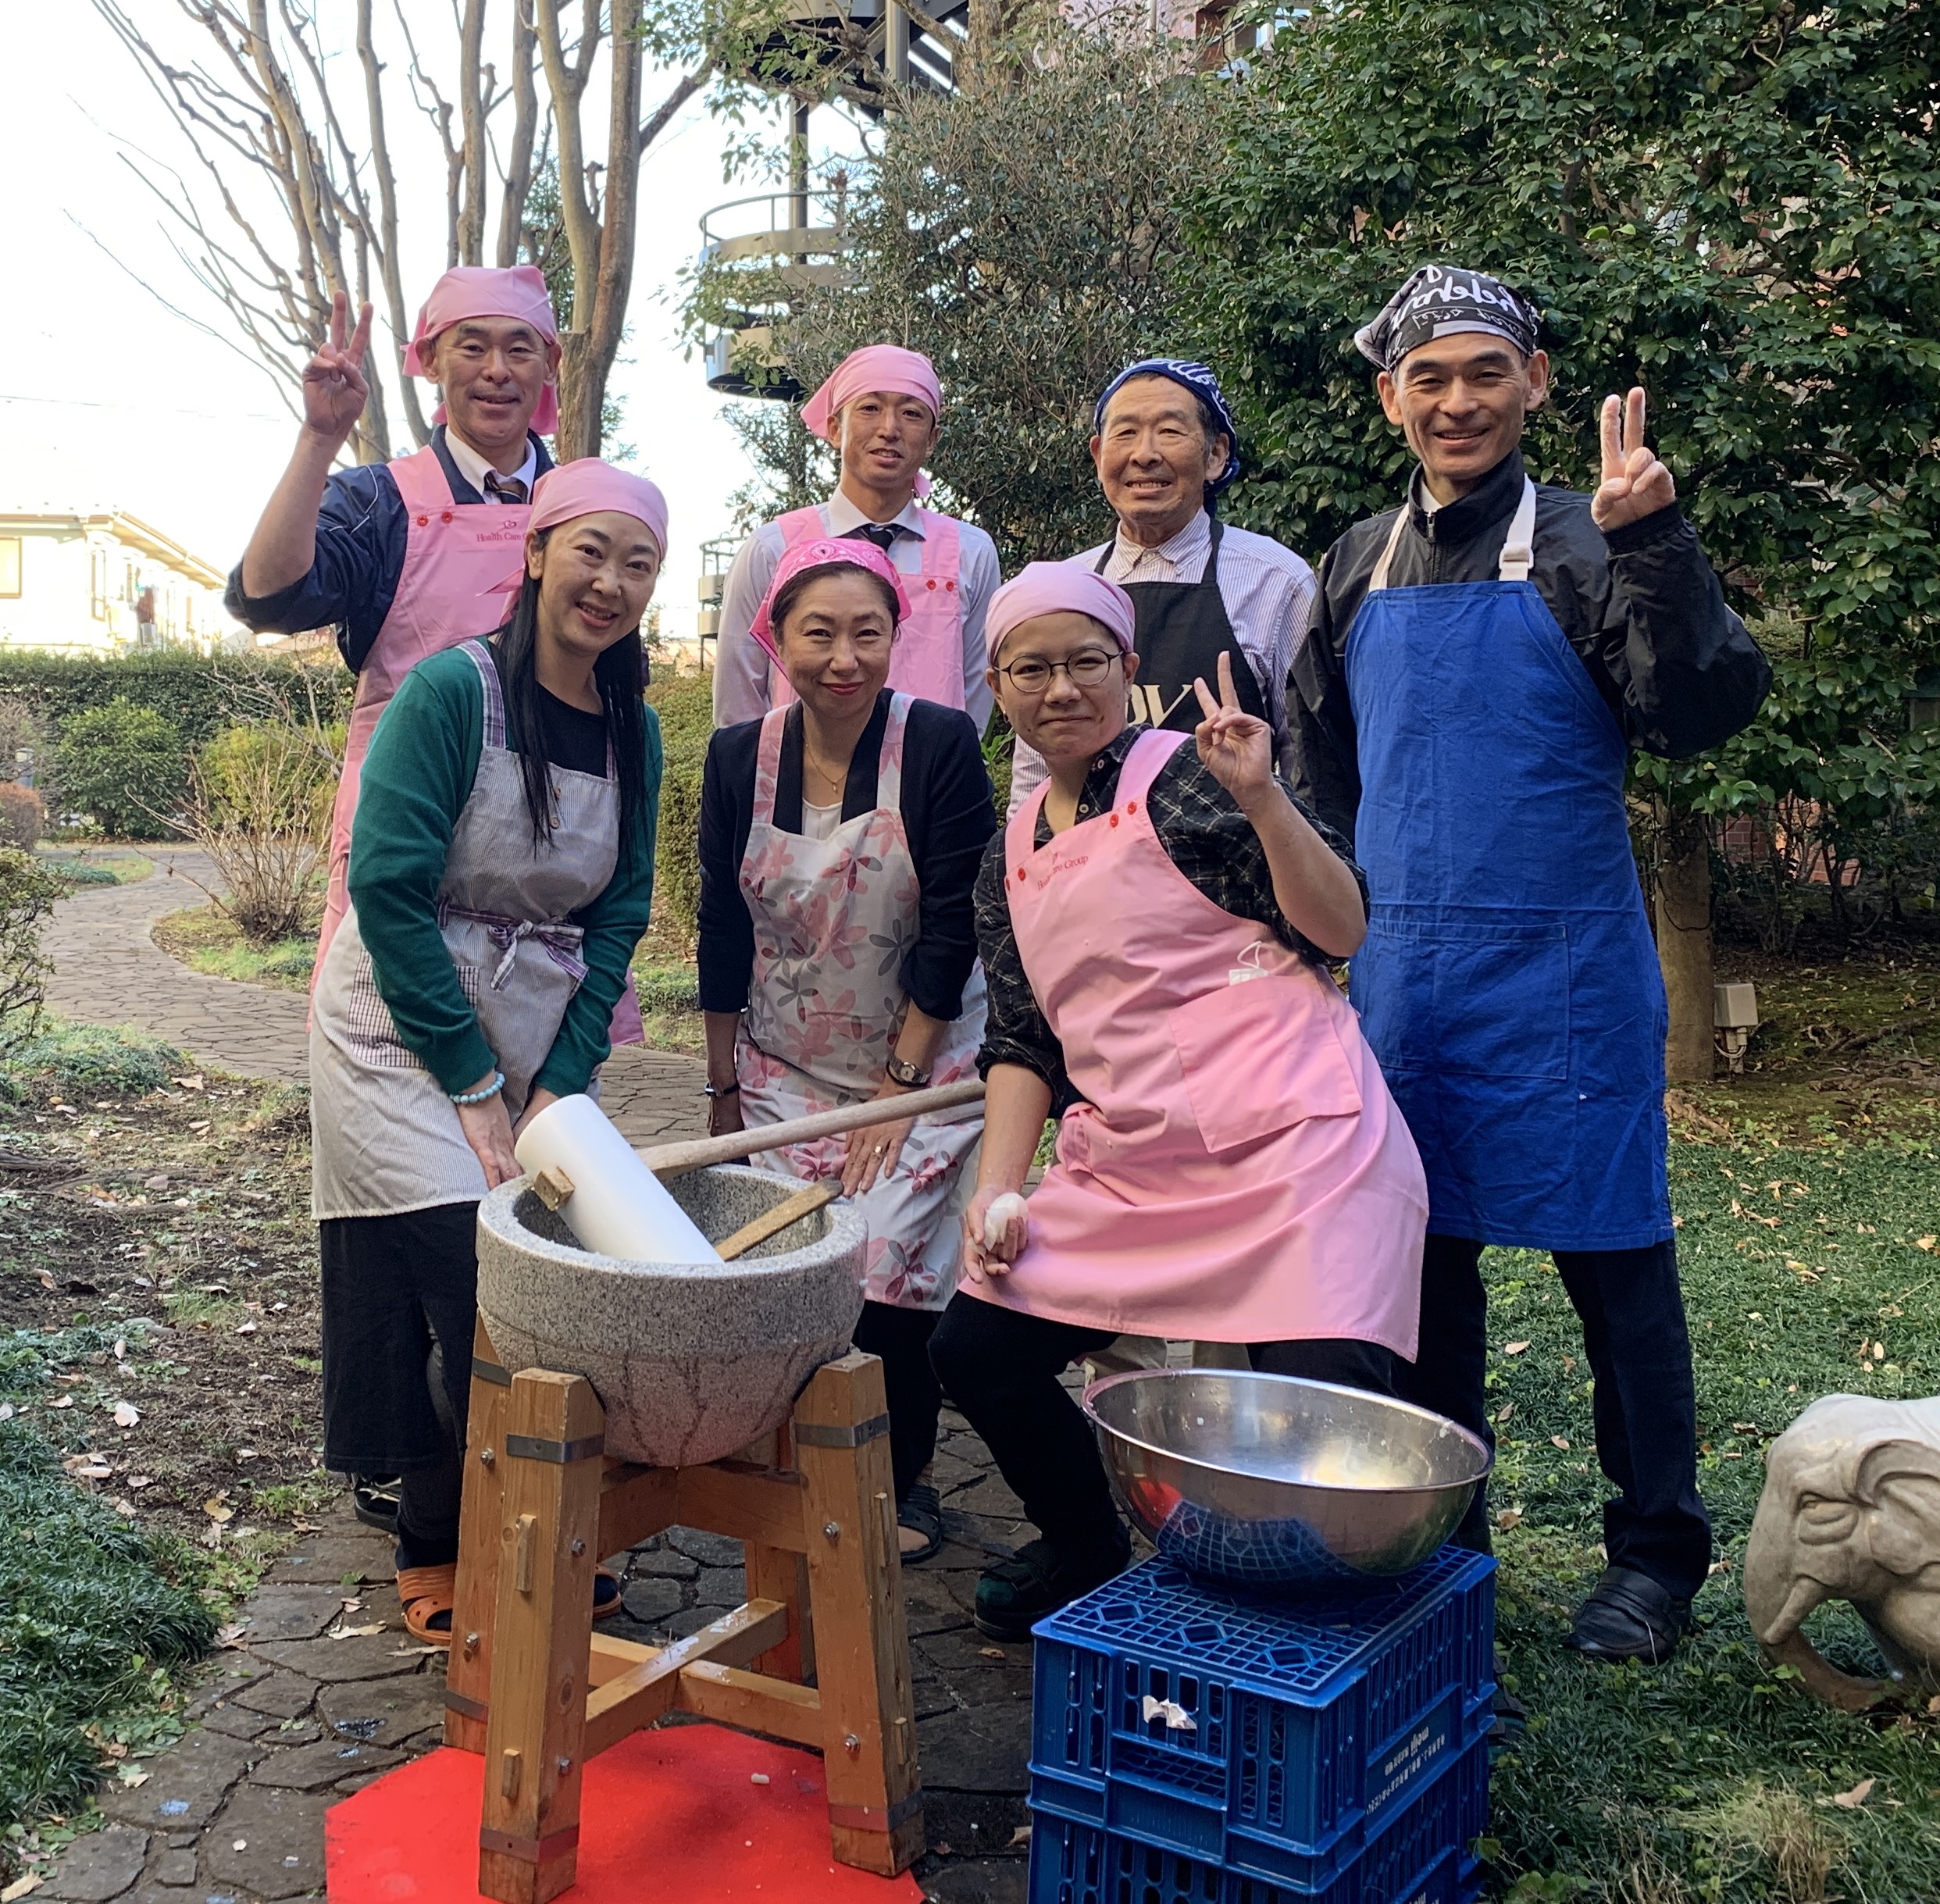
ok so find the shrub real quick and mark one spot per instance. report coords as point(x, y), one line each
point(21, 730)
point(27, 893)
point(23, 815)
point(88, 1060)
point(123, 766)
point(685, 703)
point(259, 805)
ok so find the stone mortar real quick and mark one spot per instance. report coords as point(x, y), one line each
point(691, 1361)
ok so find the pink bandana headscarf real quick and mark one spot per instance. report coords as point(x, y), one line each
point(481, 290)
point(876, 366)
point(825, 552)
point(590, 487)
point(1059, 588)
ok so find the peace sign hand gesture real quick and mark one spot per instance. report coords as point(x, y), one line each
point(1635, 484)
point(1236, 746)
point(333, 387)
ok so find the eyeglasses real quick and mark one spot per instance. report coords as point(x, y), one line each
point(1085, 669)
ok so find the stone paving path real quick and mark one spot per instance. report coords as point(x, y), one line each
point(291, 1719)
point(108, 970)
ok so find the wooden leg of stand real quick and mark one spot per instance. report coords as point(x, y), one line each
point(875, 1800)
point(468, 1669)
point(542, 1629)
point(775, 1574)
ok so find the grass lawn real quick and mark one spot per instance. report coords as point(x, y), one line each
point(96, 866)
point(207, 939)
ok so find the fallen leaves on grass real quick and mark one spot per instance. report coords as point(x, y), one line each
point(355, 1632)
point(1559, 1441)
point(1509, 1517)
point(1853, 1800)
point(127, 1414)
point(1514, 1347)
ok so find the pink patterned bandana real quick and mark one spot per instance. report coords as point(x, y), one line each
point(826, 552)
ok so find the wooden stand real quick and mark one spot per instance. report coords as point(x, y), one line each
point(534, 1688)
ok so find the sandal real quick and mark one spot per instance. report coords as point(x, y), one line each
point(921, 1513)
point(374, 1501)
point(429, 1592)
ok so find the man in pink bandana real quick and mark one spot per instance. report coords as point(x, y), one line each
point(398, 557)
point(881, 410)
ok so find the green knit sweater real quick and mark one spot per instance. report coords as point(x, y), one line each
point(417, 777)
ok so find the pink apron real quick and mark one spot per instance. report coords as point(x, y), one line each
point(928, 660)
point(455, 552)
point(1240, 1173)
point(833, 919)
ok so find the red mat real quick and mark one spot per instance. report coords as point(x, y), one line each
point(667, 1814)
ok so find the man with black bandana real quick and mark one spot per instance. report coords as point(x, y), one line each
point(1482, 662)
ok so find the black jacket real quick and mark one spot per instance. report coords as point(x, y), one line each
point(1641, 606)
point(948, 814)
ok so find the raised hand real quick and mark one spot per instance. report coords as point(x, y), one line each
point(1237, 746)
point(334, 391)
point(1635, 484)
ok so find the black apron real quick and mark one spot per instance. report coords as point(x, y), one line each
point(1183, 629)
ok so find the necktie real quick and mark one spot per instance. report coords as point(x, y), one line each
point(882, 534)
point(505, 489)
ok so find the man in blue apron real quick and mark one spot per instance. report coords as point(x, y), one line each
point(1481, 663)
point(1165, 447)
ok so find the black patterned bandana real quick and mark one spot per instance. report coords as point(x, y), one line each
point(1439, 300)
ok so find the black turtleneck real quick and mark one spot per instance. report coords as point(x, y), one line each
point(1642, 606)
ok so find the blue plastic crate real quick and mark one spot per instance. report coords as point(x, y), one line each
point(1418, 1856)
point(1307, 1722)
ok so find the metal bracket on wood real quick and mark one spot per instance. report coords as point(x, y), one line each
point(817, 1435)
point(528, 1850)
point(873, 1818)
point(537, 1448)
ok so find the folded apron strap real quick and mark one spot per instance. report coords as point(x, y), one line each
point(561, 942)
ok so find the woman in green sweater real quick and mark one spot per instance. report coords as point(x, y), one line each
point(502, 866)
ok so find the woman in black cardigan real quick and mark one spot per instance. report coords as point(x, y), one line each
point(840, 836)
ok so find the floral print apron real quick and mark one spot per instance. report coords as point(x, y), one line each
point(834, 920)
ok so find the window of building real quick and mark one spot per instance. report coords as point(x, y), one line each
point(9, 565)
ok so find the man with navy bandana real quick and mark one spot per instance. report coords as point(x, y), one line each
point(1164, 445)
point(1482, 661)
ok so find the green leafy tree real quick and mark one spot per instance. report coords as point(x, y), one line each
point(1737, 206)
point(124, 766)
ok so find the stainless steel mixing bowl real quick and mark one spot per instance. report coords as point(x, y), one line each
point(1263, 1481)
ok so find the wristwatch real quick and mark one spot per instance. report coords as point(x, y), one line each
point(901, 1072)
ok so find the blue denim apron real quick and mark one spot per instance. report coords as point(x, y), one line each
point(1509, 984)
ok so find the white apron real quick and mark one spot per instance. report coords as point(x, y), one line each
point(385, 1137)
point(833, 920)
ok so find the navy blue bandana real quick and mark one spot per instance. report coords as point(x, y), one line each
point(1203, 385)
point(1439, 300)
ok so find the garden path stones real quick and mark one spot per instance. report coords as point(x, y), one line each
point(364, 1656)
point(279, 1612)
point(281, 1834)
point(175, 1868)
point(314, 1768)
point(185, 1783)
point(720, 1586)
point(709, 1549)
point(237, 1721)
point(651, 1600)
point(384, 1712)
point(282, 1695)
point(341, 1561)
point(100, 1867)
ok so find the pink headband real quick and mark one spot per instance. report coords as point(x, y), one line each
point(825, 552)
point(590, 487)
point(876, 366)
point(1059, 588)
point(480, 290)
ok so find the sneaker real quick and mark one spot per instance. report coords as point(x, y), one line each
point(1629, 1615)
point(374, 1501)
point(1015, 1594)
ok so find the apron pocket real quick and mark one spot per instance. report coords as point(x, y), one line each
point(1482, 1000)
point(1260, 1057)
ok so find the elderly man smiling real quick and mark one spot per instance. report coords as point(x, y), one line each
point(1165, 447)
point(398, 556)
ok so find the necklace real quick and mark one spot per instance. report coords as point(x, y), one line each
point(836, 780)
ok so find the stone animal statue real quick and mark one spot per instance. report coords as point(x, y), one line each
point(1851, 1511)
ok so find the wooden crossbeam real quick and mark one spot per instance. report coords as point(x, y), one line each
point(650, 1689)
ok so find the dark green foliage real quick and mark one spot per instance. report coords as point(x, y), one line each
point(1737, 205)
point(92, 1615)
point(89, 1061)
point(124, 767)
point(201, 694)
point(685, 703)
point(1681, 1765)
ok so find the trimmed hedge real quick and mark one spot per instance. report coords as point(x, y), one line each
point(200, 694)
point(685, 703)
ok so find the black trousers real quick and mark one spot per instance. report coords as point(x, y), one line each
point(901, 1338)
point(1000, 1368)
point(400, 1301)
point(1645, 1407)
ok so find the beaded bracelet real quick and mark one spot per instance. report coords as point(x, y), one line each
point(479, 1097)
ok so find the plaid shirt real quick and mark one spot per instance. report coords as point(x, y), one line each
point(1205, 835)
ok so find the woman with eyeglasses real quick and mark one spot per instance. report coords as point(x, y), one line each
point(1156, 924)
point(840, 837)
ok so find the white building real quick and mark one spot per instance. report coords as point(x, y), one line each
point(101, 583)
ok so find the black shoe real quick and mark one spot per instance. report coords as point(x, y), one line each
point(921, 1513)
point(1013, 1595)
point(1628, 1617)
point(374, 1501)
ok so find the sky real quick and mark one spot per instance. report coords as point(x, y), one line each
point(108, 399)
